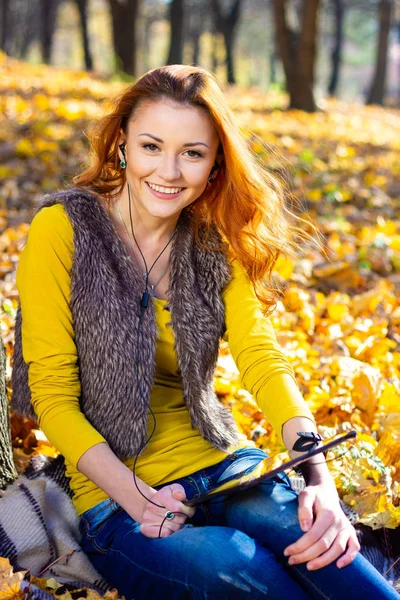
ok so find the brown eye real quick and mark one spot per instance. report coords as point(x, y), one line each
point(195, 154)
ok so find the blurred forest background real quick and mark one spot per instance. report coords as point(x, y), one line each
point(346, 48)
point(315, 87)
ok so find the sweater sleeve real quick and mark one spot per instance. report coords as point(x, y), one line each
point(264, 369)
point(48, 346)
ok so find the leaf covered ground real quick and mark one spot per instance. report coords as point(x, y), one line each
point(338, 318)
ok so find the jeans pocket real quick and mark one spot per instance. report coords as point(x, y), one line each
point(97, 525)
point(103, 538)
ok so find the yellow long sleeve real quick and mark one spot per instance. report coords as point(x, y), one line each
point(43, 282)
point(264, 369)
point(176, 450)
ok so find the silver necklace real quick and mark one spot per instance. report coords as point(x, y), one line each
point(145, 273)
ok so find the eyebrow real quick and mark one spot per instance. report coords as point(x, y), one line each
point(185, 145)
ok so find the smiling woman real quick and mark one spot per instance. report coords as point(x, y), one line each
point(165, 167)
point(166, 244)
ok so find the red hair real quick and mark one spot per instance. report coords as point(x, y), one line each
point(245, 202)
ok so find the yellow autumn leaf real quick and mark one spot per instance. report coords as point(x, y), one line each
point(365, 392)
point(42, 101)
point(381, 519)
point(314, 195)
point(10, 581)
point(284, 267)
point(337, 312)
point(25, 148)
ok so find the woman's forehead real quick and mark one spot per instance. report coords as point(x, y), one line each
point(166, 113)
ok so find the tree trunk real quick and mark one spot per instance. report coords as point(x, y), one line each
point(272, 67)
point(49, 19)
point(377, 91)
point(398, 66)
point(123, 19)
point(7, 468)
point(31, 29)
point(5, 14)
point(196, 48)
point(83, 10)
point(337, 48)
point(214, 57)
point(195, 29)
point(230, 71)
point(175, 55)
point(227, 26)
point(298, 53)
point(146, 43)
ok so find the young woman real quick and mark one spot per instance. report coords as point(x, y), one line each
point(163, 246)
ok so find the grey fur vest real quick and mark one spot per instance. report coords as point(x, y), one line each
point(106, 290)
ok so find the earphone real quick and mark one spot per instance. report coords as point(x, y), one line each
point(143, 306)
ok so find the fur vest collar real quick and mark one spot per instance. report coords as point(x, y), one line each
point(106, 290)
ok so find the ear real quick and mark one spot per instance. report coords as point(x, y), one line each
point(122, 148)
point(214, 170)
point(121, 138)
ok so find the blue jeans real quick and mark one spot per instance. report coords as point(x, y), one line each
point(230, 549)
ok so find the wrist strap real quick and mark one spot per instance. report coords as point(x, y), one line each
point(307, 441)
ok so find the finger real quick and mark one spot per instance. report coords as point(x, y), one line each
point(306, 501)
point(166, 503)
point(188, 510)
point(177, 508)
point(320, 548)
point(179, 495)
point(336, 549)
point(171, 498)
point(353, 548)
point(325, 519)
point(157, 515)
point(152, 530)
point(159, 521)
point(170, 490)
point(177, 487)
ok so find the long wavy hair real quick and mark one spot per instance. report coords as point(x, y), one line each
point(245, 202)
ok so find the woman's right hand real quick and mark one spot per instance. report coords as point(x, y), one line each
point(171, 497)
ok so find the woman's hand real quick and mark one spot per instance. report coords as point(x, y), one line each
point(171, 498)
point(329, 535)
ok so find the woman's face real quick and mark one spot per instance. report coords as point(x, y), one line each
point(170, 150)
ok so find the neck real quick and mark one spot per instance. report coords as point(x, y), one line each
point(148, 229)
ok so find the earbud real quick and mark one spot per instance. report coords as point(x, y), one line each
point(123, 161)
point(211, 177)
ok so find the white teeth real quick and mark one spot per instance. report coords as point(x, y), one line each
point(164, 190)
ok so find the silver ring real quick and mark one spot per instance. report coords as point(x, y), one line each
point(169, 515)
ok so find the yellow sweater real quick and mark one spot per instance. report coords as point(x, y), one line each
point(176, 449)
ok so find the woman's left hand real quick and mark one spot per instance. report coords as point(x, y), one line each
point(329, 536)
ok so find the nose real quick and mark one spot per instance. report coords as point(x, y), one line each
point(168, 169)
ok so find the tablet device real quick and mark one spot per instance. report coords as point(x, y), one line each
point(244, 482)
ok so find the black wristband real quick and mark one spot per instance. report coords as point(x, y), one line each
point(308, 440)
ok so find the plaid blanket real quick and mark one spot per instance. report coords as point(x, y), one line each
point(39, 524)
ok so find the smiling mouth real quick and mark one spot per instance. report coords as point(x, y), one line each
point(164, 190)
